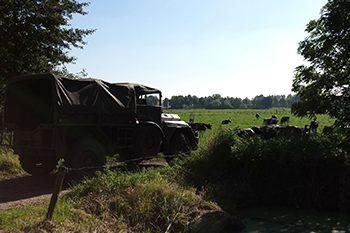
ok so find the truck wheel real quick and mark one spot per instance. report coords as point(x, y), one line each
point(89, 155)
point(179, 143)
point(35, 166)
point(147, 141)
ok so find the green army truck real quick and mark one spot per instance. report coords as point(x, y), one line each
point(85, 120)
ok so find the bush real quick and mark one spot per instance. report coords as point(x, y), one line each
point(144, 201)
point(310, 173)
point(9, 166)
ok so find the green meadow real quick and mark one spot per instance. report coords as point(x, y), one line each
point(245, 118)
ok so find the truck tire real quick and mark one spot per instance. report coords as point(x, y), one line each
point(179, 143)
point(35, 166)
point(147, 141)
point(88, 156)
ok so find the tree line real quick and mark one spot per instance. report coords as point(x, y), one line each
point(216, 101)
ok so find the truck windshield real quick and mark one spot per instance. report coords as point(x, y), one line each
point(149, 100)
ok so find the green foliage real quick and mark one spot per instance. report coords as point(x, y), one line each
point(145, 201)
point(63, 71)
point(10, 166)
point(323, 84)
point(216, 101)
point(35, 36)
point(309, 172)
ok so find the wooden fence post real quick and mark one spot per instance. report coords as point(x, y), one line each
point(56, 191)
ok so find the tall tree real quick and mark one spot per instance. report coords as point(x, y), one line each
point(166, 103)
point(35, 36)
point(266, 102)
point(324, 84)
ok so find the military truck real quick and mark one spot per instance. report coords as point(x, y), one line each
point(85, 120)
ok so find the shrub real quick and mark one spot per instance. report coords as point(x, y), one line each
point(311, 172)
point(146, 201)
point(9, 166)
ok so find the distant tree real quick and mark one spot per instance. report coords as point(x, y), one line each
point(202, 102)
point(166, 103)
point(35, 36)
point(266, 102)
point(227, 104)
point(217, 102)
point(216, 96)
point(275, 100)
point(195, 101)
point(291, 99)
point(247, 102)
point(214, 104)
point(282, 102)
point(190, 101)
point(257, 101)
point(152, 100)
point(177, 102)
point(324, 84)
point(236, 103)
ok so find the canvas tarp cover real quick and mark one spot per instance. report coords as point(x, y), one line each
point(90, 95)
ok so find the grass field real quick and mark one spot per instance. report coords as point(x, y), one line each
point(245, 118)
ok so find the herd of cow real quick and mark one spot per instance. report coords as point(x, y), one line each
point(270, 129)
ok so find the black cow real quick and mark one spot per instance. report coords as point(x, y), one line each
point(285, 119)
point(201, 127)
point(270, 121)
point(268, 132)
point(314, 126)
point(257, 116)
point(224, 122)
point(246, 132)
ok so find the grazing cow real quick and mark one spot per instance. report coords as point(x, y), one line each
point(289, 131)
point(257, 116)
point(224, 122)
point(266, 132)
point(270, 121)
point(314, 126)
point(201, 127)
point(273, 131)
point(285, 119)
point(246, 132)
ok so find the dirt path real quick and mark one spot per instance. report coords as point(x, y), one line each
point(25, 190)
point(33, 189)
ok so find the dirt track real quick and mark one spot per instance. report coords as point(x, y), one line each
point(32, 189)
point(25, 190)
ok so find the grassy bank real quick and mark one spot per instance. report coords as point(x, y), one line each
point(153, 199)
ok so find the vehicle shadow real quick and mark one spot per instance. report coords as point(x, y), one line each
point(33, 186)
point(27, 187)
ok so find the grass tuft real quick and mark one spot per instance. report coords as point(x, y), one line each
point(144, 201)
point(9, 166)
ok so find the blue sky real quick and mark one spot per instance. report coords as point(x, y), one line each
point(192, 47)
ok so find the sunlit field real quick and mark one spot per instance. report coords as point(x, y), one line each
point(245, 118)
